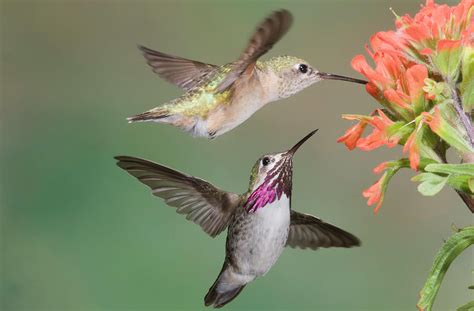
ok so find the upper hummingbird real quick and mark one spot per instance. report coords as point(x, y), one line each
point(219, 98)
point(260, 222)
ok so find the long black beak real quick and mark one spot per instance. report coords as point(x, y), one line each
point(330, 76)
point(293, 149)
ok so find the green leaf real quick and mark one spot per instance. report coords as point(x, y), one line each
point(430, 184)
point(458, 176)
point(460, 182)
point(451, 249)
point(460, 169)
point(467, 307)
point(467, 83)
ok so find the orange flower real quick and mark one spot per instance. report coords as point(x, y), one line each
point(378, 79)
point(413, 150)
point(380, 135)
point(448, 45)
point(413, 70)
point(380, 168)
point(434, 22)
point(415, 81)
point(352, 135)
point(374, 194)
point(394, 81)
point(402, 57)
point(433, 121)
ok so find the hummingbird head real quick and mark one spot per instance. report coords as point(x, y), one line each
point(294, 74)
point(271, 176)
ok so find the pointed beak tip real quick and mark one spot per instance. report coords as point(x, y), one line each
point(330, 76)
point(293, 149)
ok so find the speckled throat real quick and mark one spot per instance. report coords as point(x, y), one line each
point(277, 182)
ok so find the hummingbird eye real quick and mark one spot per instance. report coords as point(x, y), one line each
point(303, 68)
point(265, 161)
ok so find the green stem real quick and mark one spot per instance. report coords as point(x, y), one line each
point(454, 246)
point(467, 307)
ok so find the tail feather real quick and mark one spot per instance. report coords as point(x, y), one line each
point(150, 115)
point(219, 299)
point(224, 289)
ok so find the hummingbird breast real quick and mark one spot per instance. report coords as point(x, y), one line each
point(242, 105)
point(256, 240)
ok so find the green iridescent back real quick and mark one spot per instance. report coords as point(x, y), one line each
point(202, 98)
point(254, 174)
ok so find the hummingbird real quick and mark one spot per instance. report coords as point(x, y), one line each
point(219, 98)
point(260, 222)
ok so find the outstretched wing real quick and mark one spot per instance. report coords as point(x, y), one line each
point(200, 201)
point(267, 34)
point(183, 72)
point(309, 231)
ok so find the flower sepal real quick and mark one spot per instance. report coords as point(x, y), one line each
point(444, 121)
point(448, 58)
point(467, 84)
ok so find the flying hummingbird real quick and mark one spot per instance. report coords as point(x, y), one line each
point(219, 98)
point(260, 222)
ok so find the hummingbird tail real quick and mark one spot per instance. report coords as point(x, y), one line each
point(151, 115)
point(224, 290)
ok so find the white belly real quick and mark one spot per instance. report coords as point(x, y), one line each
point(228, 117)
point(261, 239)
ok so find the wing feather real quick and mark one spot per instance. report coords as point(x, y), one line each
point(309, 231)
point(182, 72)
point(201, 202)
point(269, 32)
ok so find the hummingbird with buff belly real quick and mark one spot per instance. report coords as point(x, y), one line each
point(260, 222)
point(219, 98)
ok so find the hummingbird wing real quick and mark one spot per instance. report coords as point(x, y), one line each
point(269, 32)
point(201, 202)
point(309, 231)
point(182, 72)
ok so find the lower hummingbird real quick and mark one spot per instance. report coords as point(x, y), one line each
point(260, 222)
point(219, 98)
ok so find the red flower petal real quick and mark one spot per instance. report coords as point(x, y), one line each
point(448, 45)
point(374, 91)
point(374, 195)
point(413, 151)
point(434, 120)
point(352, 135)
point(394, 97)
point(380, 168)
point(426, 51)
point(416, 76)
point(360, 64)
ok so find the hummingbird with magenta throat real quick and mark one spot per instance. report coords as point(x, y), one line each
point(219, 98)
point(260, 222)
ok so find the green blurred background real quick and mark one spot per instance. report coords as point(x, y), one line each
point(77, 233)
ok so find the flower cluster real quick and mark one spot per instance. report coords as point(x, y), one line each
point(424, 79)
